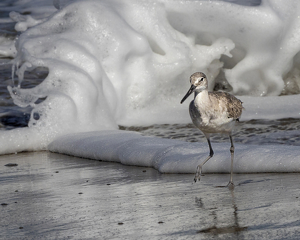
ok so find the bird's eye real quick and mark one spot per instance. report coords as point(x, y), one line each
point(201, 79)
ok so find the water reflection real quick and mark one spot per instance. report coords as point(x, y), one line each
point(217, 227)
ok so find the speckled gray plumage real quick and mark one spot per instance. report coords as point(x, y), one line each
point(234, 106)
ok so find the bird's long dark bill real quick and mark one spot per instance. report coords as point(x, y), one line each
point(190, 91)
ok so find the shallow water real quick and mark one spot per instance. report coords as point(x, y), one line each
point(11, 115)
point(52, 196)
point(281, 131)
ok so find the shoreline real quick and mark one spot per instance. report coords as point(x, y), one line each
point(54, 196)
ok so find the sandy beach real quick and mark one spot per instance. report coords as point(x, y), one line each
point(52, 196)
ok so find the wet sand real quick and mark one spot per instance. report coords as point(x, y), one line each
point(52, 196)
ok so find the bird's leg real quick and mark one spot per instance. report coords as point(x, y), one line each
point(232, 156)
point(199, 167)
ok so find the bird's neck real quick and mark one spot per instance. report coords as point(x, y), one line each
point(201, 97)
point(202, 94)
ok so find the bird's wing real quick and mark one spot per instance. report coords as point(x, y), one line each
point(231, 103)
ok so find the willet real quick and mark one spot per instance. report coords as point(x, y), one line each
point(212, 112)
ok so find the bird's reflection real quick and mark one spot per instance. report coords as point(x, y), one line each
point(234, 228)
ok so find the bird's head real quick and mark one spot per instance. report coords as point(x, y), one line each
point(198, 83)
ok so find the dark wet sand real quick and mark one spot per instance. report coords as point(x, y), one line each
point(52, 196)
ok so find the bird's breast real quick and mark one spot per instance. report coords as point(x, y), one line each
point(209, 120)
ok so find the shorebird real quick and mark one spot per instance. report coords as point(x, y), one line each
point(212, 112)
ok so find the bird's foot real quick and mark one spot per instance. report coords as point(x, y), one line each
point(198, 174)
point(230, 185)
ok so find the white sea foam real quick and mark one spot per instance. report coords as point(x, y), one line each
point(128, 63)
point(172, 156)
